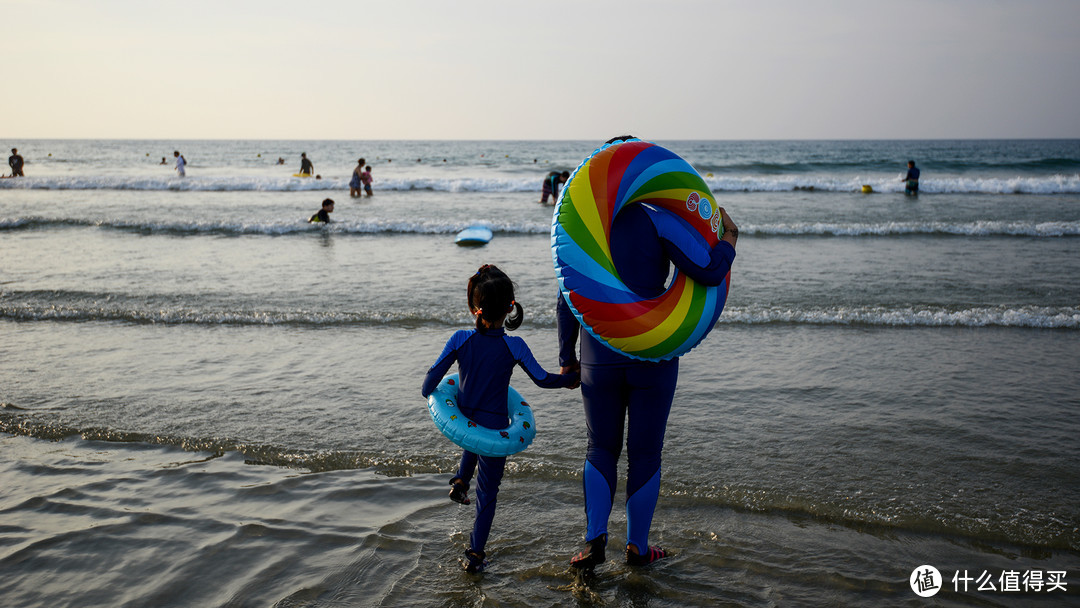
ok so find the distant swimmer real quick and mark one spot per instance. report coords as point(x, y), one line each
point(280, 161)
point(15, 161)
point(357, 181)
point(306, 168)
point(181, 163)
point(365, 177)
point(911, 179)
point(323, 216)
point(163, 161)
point(551, 186)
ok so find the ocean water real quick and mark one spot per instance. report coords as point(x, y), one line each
point(205, 401)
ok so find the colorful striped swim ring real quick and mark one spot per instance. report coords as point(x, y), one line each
point(634, 172)
point(478, 439)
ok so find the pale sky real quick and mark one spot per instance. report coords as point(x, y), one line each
point(559, 69)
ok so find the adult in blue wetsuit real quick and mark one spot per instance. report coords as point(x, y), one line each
point(486, 358)
point(622, 392)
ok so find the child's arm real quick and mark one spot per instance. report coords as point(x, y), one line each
point(443, 363)
point(536, 373)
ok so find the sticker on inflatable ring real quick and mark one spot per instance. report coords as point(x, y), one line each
point(692, 201)
point(705, 209)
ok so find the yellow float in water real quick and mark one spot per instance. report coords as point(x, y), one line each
point(867, 189)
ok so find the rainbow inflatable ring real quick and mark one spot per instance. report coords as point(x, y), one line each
point(478, 439)
point(634, 172)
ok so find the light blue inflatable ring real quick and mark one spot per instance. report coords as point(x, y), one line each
point(442, 403)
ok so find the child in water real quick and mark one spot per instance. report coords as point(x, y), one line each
point(486, 358)
point(323, 216)
point(365, 177)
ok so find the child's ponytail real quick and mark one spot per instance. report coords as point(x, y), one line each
point(516, 316)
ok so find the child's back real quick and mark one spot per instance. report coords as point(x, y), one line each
point(486, 358)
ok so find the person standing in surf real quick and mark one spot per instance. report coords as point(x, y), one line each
point(630, 396)
point(15, 161)
point(181, 163)
point(911, 180)
point(486, 358)
point(366, 178)
point(306, 167)
point(357, 181)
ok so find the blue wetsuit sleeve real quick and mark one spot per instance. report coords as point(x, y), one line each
point(568, 328)
point(688, 250)
point(536, 373)
point(710, 273)
point(443, 363)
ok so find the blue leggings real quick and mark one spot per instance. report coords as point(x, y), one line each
point(641, 393)
point(487, 492)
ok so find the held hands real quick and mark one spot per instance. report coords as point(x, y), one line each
point(572, 369)
point(731, 231)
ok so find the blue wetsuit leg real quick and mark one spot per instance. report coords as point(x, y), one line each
point(643, 392)
point(602, 394)
point(487, 492)
point(466, 467)
point(651, 394)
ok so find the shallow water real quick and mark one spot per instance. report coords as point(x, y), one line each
point(893, 381)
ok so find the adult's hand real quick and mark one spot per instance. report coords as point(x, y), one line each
point(731, 231)
point(574, 368)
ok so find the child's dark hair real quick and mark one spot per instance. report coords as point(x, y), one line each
point(491, 297)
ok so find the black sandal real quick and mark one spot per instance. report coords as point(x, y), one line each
point(459, 492)
point(474, 561)
point(592, 555)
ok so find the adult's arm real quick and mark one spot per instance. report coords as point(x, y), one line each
point(693, 257)
point(568, 331)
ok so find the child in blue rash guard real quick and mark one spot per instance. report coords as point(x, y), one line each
point(486, 358)
point(621, 394)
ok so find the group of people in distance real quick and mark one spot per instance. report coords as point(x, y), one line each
point(555, 179)
point(361, 175)
point(361, 178)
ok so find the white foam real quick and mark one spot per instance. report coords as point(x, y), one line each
point(1026, 316)
point(1053, 184)
point(1036, 317)
point(277, 228)
point(976, 228)
point(982, 228)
